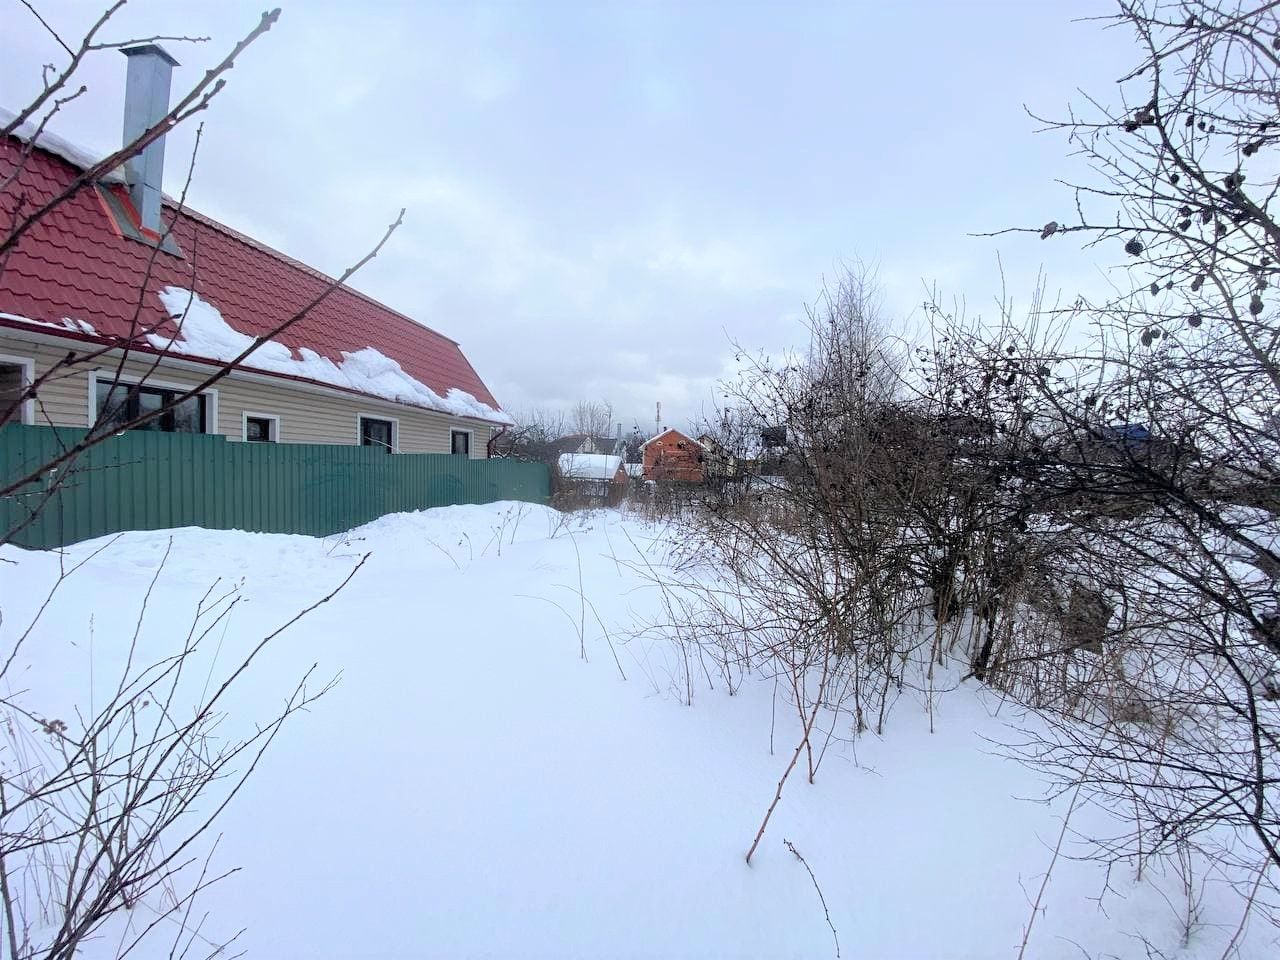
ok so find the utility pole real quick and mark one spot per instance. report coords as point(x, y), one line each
point(657, 420)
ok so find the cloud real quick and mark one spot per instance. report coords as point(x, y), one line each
point(601, 198)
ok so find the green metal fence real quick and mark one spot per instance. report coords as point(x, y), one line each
point(145, 480)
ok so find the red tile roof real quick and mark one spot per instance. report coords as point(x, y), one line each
point(75, 264)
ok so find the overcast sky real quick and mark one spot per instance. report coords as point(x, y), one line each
point(601, 196)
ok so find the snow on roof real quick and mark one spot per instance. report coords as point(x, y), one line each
point(589, 466)
point(203, 332)
point(73, 153)
point(665, 432)
point(75, 326)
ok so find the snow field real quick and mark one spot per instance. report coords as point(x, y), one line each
point(473, 788)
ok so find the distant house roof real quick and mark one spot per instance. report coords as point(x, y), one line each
point(568, 444)
point(712, 445)
point(589, 466)
point(76, 273)
point(574, 442)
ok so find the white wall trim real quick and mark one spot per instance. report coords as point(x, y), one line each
point(210, 395)
point(273, 434)
point(27, 412)
point(395, 427)
point(471, 440)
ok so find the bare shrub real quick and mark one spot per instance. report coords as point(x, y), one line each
point(1162, 452)
point(103, 810)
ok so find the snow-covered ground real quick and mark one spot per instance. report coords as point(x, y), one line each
point(474, 788)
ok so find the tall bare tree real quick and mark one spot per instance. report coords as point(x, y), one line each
point(592, 417)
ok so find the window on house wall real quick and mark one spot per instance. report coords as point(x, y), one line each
point(12, 380)
point(460, 443)
point(377, 433)
point(120, 403)
point(258, 429)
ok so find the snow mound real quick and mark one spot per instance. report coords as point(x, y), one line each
point(204, 332)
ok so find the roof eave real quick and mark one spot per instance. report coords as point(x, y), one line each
point(42, 334)
point(671, 430)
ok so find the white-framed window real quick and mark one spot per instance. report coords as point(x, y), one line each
point(460, 442)
point(378, 431)
point(259, 427)
point(16, 374)
point(116, 402)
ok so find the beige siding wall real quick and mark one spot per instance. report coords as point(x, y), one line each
point(306, 415)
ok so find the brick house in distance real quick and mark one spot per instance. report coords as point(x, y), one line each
point(674, 457)
point(161, 296)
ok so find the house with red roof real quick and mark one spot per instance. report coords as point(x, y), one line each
point(131, 299)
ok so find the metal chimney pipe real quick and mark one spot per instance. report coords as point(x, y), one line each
point(146, 101)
